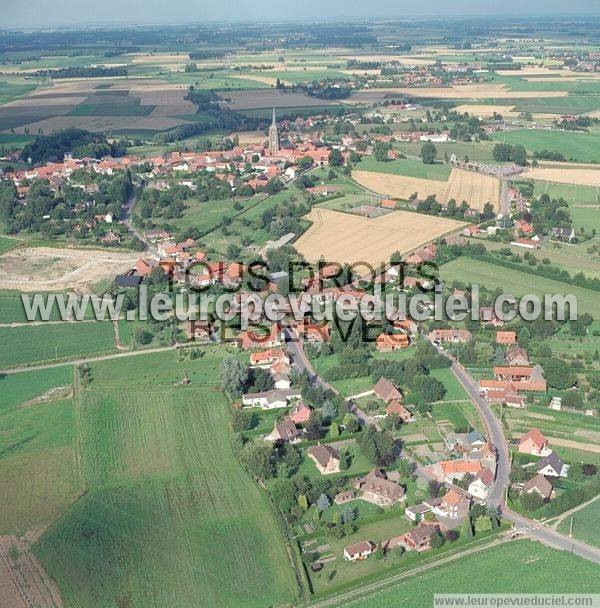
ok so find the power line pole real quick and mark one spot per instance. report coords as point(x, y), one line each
point(571, 528)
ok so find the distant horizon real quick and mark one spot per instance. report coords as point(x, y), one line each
point(69, 14)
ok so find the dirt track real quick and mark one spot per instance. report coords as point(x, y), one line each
point(23, 581)
point(47, 268)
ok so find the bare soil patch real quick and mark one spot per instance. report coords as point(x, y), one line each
point(266, 98)
point(46, 268)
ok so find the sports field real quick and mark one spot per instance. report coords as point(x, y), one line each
point(515, 567)
point(169, 513)
point(517, 283)
point(342, 237)
point(475, 188)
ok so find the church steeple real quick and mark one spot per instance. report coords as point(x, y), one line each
point(274, 142)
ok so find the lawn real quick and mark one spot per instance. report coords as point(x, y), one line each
point(30, 344)
point(169, 513)
point(17, 388)
point(522, 566)
point(205, 215)
point(7, 242)
point(582, 147)
point(406, 166)
point(38, 480)
point(585, 524)
point(514, 282)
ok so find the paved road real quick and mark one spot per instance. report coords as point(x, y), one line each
point(125, 219)
point(534, 529)
point(80, 361)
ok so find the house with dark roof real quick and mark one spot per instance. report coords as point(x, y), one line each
point(540, 485)
point(376, 488)
point(326, 458)
point(386, 391)
point(284, 432)
point(552, 466)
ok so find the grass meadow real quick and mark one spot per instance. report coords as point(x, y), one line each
point(517, 283)
point(406, 166)
point(515, 567)
point(19, 387)
point(586, 525)
point(582, 147)
point(38, 477)
point(169, 514)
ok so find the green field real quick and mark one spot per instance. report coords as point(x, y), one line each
point(518, 567)
point(37, 456)
point(39, 343)
point(583, 195)
point(586, 524)
point(406, 166)
point(479, 151)
point(516, 283)
point(582, 147)
point(11, 90)
point(169, 513)
point(19, 387)
point(6, 243)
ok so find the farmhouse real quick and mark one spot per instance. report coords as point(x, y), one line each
point(358, 551)
point(326, 458)
point(343, 497)
point(265, 359)
point(524, 378)
point(540, 485)
point(379, 490)
point(446, 471)
point(534, 443)
point(386, 391)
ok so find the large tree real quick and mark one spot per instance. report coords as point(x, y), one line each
point(234, 376)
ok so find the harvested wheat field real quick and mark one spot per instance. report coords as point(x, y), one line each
point(487, 111)
point(579, 177)
point(345, 238)
point(48, 268)
point(467, 91)
point(475, 188)
point(249, 137)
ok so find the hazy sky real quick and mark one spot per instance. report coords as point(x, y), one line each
point(40, 13)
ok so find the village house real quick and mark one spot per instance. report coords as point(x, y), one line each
point(450, 335)
point(284, 432)
point(386, 343)
point(447, 471)
point(379, 490)
point(271, 399)
point(326, 458)
point(534, 443)
point(506, 337)
point(386, 391)
point(416, 513)
point(552, 466)
point(359, 551)
point(300, 413)
point(524, 378)
point(487, 315)
point(540, 485)
point(395, 407)
point(198, 330)
point(343, 497)
point(420, 538)
point(517, 356)
point(453, 505)
point(482, 484)
point(252, 338)
point(267, 358)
